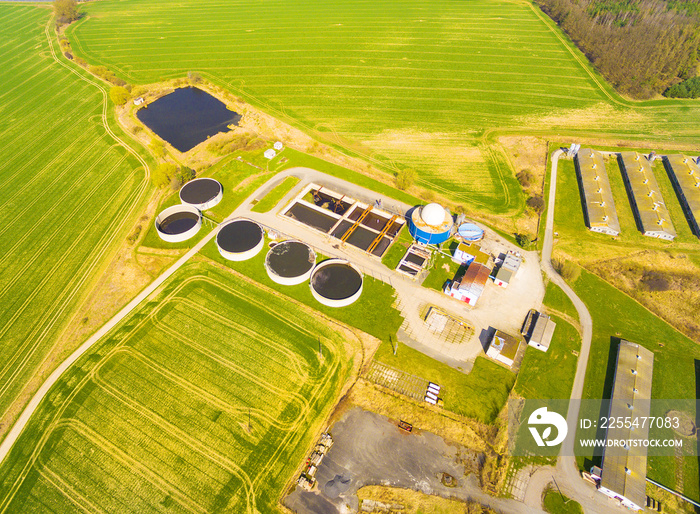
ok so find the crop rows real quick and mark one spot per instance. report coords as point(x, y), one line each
point(202, 402)
point(363, 74)
point(66, 193)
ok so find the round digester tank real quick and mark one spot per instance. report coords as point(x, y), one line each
point(336, 283)
point(178, 223)
point(202, 193)
point(430, 224)
point(240, 239)
point(290, 262)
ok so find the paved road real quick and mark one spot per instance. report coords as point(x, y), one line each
point(566, 473)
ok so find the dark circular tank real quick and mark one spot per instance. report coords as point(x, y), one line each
point(239, 236)
point(290, 262)
point(337, 280)
point(178, 223)
point(203, 193)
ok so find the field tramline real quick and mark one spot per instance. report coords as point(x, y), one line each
point(203, 400)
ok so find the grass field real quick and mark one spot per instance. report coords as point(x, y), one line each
point(372, 313)
point(480, 394)
point(549, 375)
point(68, 194)
point(442, 270)
point(203, 400)
point(555, 503)
point(400, 83)
point(271, 199)
point(615, 315)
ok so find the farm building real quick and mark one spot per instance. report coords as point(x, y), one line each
point(138, 101)
point(466, 253)
point(471, 285)
point(599, 206)
point(504, 274)
point(648, 205)
point(624, 468)
point(503, 348)
point(278, 146)
point(684, 173)
point(270, 153)
point(539, 329)
point(430, 224)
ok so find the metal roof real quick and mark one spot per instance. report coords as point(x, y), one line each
point(600, 205)
point(505, 344)
point(511, 262)
point(504, 275)
point(624, 469)
point(543, 331)
point(475, 278)
point(648, 203)
point(686, 173)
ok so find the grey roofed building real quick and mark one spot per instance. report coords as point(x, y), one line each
point(542, 332)
point(648, 205)
point(684, 173)
point(599, 206)
point(625, 467)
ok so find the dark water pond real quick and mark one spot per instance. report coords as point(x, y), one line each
point(187, 116)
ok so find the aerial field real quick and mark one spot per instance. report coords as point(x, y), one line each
point(407, 83)
point(203, 400)
point(404, 83)
point(68, 193)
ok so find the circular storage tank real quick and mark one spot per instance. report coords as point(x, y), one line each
point(240, 239)
point(430, 224)
point(178, 223)
point(470, 232)
point(202, 193)
point(290, 262)
point(336, 283)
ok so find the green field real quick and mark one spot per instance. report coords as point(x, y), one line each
point(204, 399)
point(479, 394)
point(615, 315)
point(400, 83)
point(373, 313)
point(68, 195)
point(558, 365)
point(556, 503)
point(272, 198)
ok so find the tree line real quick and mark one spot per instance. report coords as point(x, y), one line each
point(642, 47)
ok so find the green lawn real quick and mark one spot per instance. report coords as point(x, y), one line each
point(373, 312)
point(555, 298)
point(442, 270)
point(271, 199)
point(69, 195)
point(204, 399)
point(550, 375)
point(555, 503)
point(480, 394)
point(397, 250)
